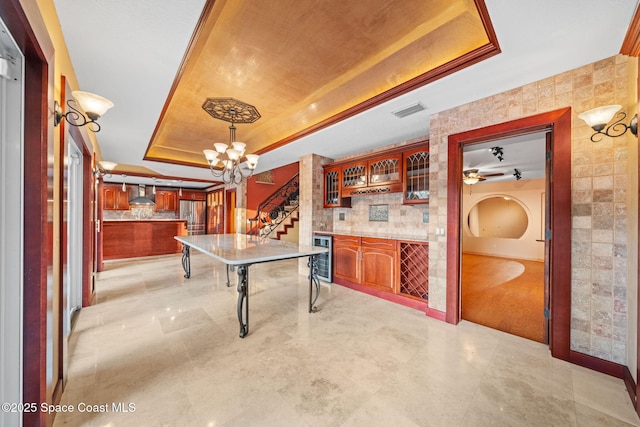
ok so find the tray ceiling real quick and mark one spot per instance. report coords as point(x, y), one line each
point(308, 64)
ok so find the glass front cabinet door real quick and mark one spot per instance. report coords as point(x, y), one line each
point(416, 176)
point(333, 197)
point(385, 170)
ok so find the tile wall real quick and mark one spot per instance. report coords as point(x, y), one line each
point(601, 178)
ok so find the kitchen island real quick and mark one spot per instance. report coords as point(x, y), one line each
point(133, 238)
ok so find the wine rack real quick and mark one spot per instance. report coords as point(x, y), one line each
point(414, 270)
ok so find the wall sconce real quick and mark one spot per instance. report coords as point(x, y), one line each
point(598, 118)
point(497, 151)
point(105, 168)
point(93, 105)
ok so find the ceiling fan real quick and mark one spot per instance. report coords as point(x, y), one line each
point(473, 176)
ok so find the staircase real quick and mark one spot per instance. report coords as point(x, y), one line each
point(278, 213)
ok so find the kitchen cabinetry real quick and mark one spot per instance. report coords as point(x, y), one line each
point(139, 238)
point(115, 198)
point(354, 176)
point(382, 174)
point(166, 200)
point(378, 259)
point(346, 258)
point(403, 169)
point(397, 267)
point(416, 175)
point(332, 194)
point(365, 260)
point(385, 170)
point(193, 195)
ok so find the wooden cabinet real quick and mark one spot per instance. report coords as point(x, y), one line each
point(332, 189)
point(385, 170)
point(354, 176)
point(379, 263)
point(403, 169)
point(382, 174)
point(365, 260)
point(193, 195)
point(138, 238)
point(115, 198)
point(397, 267)
point(416, 175)
point(346, 258)
point(166, 200)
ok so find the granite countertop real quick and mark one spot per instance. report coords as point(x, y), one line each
point(374, 235)
point(146, 220)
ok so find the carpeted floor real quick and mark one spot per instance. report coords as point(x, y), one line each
point(504, 294)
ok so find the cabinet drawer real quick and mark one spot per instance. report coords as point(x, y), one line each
point(385, 244)
point(346, 241)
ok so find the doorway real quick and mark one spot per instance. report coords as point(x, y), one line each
point(11, 223)
point(502, 227)
point(558, 201)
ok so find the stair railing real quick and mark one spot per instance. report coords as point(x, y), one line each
point(275, 208)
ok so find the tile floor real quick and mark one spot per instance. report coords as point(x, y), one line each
point(167, 349)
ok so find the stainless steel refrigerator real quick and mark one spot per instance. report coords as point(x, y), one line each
point(194, 212)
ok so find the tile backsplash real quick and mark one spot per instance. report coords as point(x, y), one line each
point(402, 220)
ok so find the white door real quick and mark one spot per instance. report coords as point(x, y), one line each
point(11, 224)
point(74, 235)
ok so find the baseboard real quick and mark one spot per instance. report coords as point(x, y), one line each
point(436, 314)
point(398, 299)
point(631, 387)
point(597, 364)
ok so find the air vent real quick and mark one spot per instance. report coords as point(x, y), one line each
point(407, 111)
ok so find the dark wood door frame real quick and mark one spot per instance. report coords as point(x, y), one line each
point(558, 122)
point(80, 138)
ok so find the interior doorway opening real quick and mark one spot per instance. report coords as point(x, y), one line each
point(502, 228)
point(558, 203)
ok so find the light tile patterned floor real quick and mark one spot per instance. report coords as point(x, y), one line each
point(169, 346)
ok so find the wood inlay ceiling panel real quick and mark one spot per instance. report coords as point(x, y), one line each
point(307, 64)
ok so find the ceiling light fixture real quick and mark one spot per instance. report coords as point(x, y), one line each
point(517, 174)
point(471, 176)
point(598, 118)
point(497, 151)
point(93, 105)
point(225, 160)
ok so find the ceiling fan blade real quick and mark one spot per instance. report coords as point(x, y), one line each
point(492, 174)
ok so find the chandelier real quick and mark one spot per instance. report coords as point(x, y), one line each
point(225, 160)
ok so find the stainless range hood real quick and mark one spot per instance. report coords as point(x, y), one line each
point(142, 199)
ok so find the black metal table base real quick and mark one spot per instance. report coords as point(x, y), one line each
point(243, 299)
point(186, 261)
point(313, 280)
point(243, 287)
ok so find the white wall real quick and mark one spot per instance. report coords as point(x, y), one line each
point(530, 195)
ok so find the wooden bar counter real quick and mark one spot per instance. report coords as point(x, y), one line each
point(139, 238)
